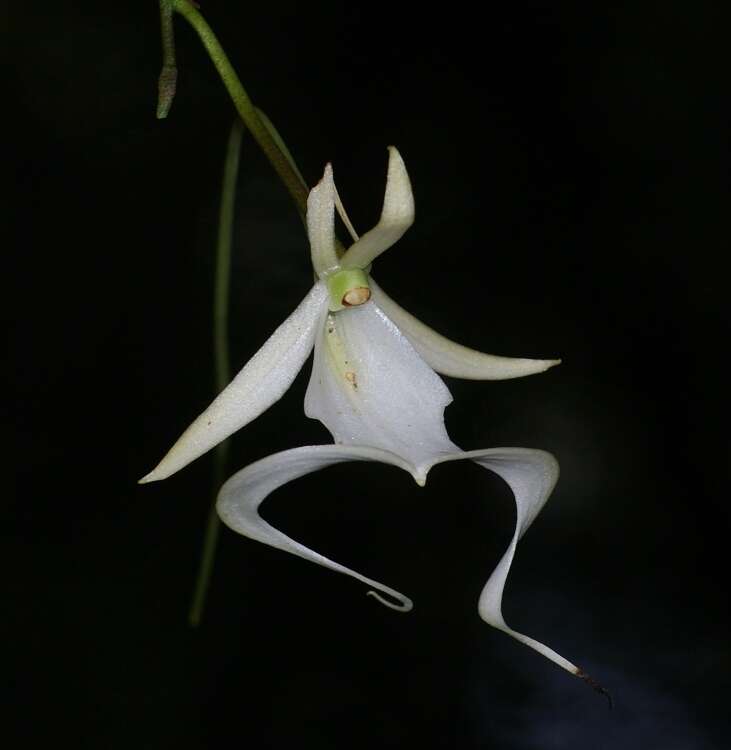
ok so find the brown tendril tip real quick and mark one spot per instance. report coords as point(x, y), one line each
point(594, 685)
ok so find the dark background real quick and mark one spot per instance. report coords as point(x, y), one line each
point(569, 165)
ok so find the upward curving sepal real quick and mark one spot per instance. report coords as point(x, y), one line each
point(240, 497)
point(321, 224)
point(397, 216)
point(450, 358)
point(263, 380)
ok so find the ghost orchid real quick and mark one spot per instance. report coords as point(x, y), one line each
point(374, 385)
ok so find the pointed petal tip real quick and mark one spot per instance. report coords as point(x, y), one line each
point(517, 368)
point(543, 365)
point(161, 471)
point(151, 477)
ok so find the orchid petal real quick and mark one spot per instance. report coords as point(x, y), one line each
point(262, 381)
point(240, 497)
point(370, 388)
point(450, 358)
point(531, 475)
point(397, 216)
point(343, 214)
point(321, 224)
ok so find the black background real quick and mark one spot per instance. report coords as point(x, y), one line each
point(569, 163)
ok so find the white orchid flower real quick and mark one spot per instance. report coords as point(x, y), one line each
point(374, 385)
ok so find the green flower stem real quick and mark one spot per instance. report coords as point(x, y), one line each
point(245, 107)
point(208, 555)
point(222, 367)
point(221, 287)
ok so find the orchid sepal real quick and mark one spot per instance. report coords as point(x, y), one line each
point(321, 225)
point(260, 383)
point(397, 216)
point(450, 358)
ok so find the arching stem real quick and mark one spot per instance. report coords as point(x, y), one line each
point(222, 368)
point(245, 107)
